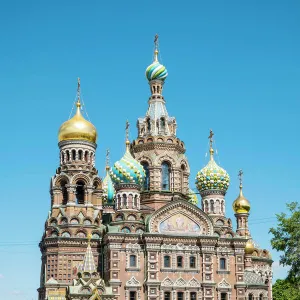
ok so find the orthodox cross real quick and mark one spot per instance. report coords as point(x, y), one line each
point(156, 41)
point(107, 157)
point(211, 134)
point(78, 89)
point(127, 130)
point(241, 173)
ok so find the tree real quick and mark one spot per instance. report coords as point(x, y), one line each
point(286, 238)
point(283, 290)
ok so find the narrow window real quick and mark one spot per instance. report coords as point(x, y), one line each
point(192, 262)
point(73, 154)
point(182, 178)
point(65, 195)
point(80, 154)
point(261, 297)
point(223, 296)
point(193, 296)
point(211, 206)
point(147, 178)
point(132, 261)
point(222, 263)
point(68, 155)
point(167, 261)
point(148, 125)
point(132, 295)
point(86, 154)
point(167, 296)
point(250, 297)
point(80, 192)
point(162, 124)
point(180, 296)
point(165, 176)
point(179, 262)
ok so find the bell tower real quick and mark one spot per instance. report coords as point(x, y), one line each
point(157, 147)
point(76, 205)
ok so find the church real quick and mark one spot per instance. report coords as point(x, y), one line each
point(139, 233)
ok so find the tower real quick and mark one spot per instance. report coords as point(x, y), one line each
point(76, 206)
point(157, 147)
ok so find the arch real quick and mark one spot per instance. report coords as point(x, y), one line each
point(87, 221)
point(119, 217)
point(96, 235)
point(66, 234)
point(73, 154)
point(145, 165)
point(86, 156)
point(146, 159)
point(80, 154)
point(54, 233)
point(220, 222)
point(81, 234)
point(97, 183)
point(59, 178)
point(68, 155)
point(125, 230)
point(81, 176)
point(131, 217)
point(165, 176)
point(63, 221)
point(167, 158)
point(74, 221)
point(53, 222)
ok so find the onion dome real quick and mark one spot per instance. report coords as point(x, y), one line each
point(249, 248)
point(241, 205)
point(156, 71)
point(192, 197)
point(108, 188)
point(212, 177)
point(127, 170)
point(77, 128)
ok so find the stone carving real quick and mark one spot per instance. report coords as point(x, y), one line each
point(132, 282)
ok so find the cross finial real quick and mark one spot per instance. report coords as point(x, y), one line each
point(78, 91)
point(211, 150)
point(107, 159)
point(156, 41)
point(127, 130)
point(241, 173)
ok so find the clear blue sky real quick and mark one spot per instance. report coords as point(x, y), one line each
point(234, 66)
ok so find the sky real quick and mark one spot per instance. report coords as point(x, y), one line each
point(234, 67)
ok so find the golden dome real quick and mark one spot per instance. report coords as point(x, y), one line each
point(249, 248)
point(77, 128)
point(241, 204)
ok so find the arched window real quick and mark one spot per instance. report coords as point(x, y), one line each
point(64, 191)
point(162, 124)
point(86, 155)
point(73, 154)
point(80, 192)
point(80, 154)
point(132, 261)
point(182, 178)
point(167, 261)
point(147, 178)
point(192, 262)
point(125, 230)
point(250, 297)
point(206, 206)
point(165, 176)
point(62, 157)
point(179, 262)
point(148, 125)
point(135, 201)
point(261, 297)
point(211, 206)
point(68, 155)
point(222, 263)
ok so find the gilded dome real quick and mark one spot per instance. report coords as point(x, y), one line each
point(108, 188)
point(127, 169)
point(77, 128)
point(212, 177)
point(241, 204)
point(156, 71)
point(249, 248)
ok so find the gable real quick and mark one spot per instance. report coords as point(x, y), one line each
point(180, 218)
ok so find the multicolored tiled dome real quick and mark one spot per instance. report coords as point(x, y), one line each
point(193, 197)
point(212, 177)
point(108, 188)
point(156, 71)
point(127, 170)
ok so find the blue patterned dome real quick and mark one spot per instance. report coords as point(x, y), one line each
point(127, 170)
point(108, 188)
point(156, 71)
point(212, 177)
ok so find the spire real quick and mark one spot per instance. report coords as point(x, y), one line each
point(89, 263)
point(127, 135)
point(211, 150)
point(107, 161)
point(240, 175)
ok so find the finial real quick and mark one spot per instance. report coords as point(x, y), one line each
point(107, 160)
point(78, 104)
point(156, 47)
point(89, 237)
point(240, 174)
point(127, 135)
point(211, 150)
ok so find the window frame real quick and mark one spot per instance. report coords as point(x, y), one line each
point(169, 257)
point(221, 268)
point(134, 259)
point(177, 261)
point(194, 262)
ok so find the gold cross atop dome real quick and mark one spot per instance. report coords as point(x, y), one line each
point(240, 175)
point(107, 159)
point(211, 150)
point(78, 104)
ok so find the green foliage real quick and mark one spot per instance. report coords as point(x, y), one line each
point(286, 238)
point(285, 290)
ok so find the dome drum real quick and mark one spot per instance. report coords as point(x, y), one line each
point(127, 186)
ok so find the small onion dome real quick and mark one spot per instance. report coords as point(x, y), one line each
point(212, 177)
point(249, 248)
point(77, 128)
point(127, 170)
point(156, 71)
point(193, 197)
point(108, 188)
point(241, 204)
